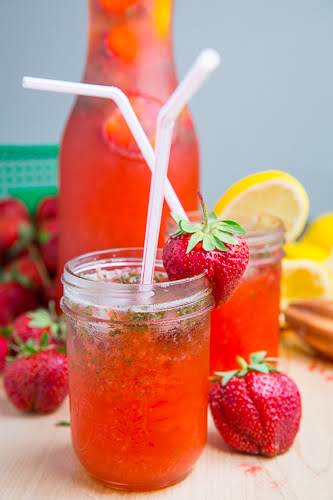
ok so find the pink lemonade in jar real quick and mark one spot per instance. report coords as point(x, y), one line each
point(138, 370)
point(249, 320)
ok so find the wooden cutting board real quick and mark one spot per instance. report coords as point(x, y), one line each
point(37, 461)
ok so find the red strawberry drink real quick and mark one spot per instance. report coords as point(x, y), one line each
point(249, 320)
point(130, 46)
point(138, 369)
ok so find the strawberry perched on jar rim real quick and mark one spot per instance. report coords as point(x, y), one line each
point(256, 409)
point(214, 246)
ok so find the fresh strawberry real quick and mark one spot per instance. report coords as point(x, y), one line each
point(37, 380)
point(47, 209)
point(28, 270)
point(34, 324)
point(214, 246)
point(11, 207)
point(16, 233)
point(49, 293)
point(256, 409)
point(47, 237)
point(14, 300)
point(3, 351)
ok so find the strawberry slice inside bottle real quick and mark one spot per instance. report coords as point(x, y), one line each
point(119, 135)
point(117, 6)
point(122, 42)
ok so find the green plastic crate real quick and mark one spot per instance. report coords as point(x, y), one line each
point(29, 172)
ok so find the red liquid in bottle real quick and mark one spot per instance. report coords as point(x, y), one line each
point(104, 179)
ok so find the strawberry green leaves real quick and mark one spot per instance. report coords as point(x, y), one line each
point(194, 240)
point(31, 347)
point(214, 234)
point(258, 362)
point(40, 318)
point(43, 237)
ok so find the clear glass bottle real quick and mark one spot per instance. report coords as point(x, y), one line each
point(138, 369)
point(104, 180)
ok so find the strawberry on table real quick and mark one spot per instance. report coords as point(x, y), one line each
point(47, 237)
point(16, 234)
point(47, 209)
point(28, 270)
point(14, 300)
point(215, 246)
point(256, 409)
point(34, 324)
point(12, 207)
point(49, 293)
point(37, 380)
point(3, 351)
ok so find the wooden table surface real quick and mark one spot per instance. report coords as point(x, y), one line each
point(37, 461)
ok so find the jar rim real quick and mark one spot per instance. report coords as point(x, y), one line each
point(70, 276)
point(78, 288)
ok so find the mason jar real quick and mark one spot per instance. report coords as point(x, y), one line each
point(249, 321)
point(138, 369)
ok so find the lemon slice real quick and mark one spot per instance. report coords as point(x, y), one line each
point(305, 250)
point(304, 279)
point(320, 232)
point(272, 192)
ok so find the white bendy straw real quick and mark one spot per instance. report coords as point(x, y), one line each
point(122, 101)
point(204, 65)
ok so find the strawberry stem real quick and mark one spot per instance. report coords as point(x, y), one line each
point(204, 212)
point(258, 363)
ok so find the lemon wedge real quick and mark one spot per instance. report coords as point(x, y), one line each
point(320, 232)
point(304, 250)
point(304, 279)
point(271, 192)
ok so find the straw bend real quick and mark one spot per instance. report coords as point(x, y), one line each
point(203, 66)
point(122, 101)
point(207, 61)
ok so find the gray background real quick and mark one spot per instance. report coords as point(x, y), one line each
point(269, 106)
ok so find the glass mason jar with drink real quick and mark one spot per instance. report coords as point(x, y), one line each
point(138, 369)
point(249, 320)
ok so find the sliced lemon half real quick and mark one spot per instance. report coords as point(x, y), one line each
point(320, 232)
point(304, 250)
point(271, 192)
point(304, 279)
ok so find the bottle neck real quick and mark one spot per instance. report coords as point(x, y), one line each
point(130, 46)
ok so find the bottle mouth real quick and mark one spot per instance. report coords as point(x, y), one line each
point(111, 279)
